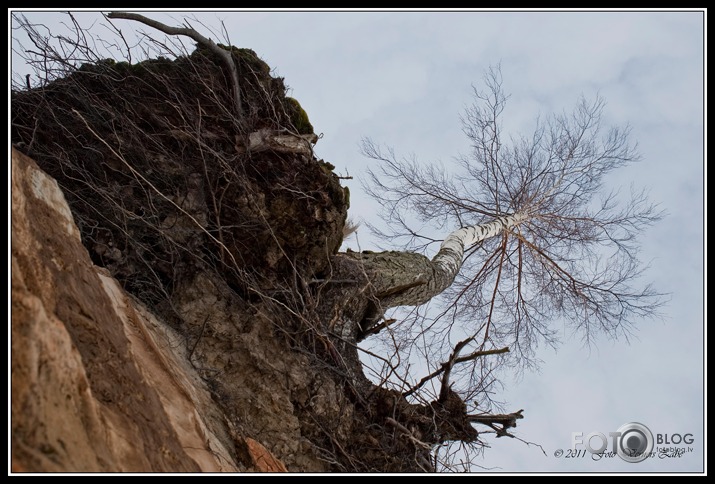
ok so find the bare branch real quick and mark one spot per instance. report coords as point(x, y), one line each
point(448, 365)
point(506, 421)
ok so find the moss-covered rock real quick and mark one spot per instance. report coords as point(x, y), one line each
point(248, 58)
point(346, 193)
point(298, 117)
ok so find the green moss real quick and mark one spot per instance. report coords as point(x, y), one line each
point(100, 66)
point(298, 117)
point(160, 64)
point(346, 193)
point(248, 58)
point(326, 166)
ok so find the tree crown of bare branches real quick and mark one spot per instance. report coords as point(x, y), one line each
point(573, 257)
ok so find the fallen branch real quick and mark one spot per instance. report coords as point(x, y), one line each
point(506, 421)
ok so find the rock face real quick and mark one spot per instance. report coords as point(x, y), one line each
point(98, 384)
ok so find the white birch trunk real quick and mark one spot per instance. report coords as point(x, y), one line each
point(451, 252)
point(410, 279)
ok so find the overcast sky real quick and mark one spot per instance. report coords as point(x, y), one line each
point(403, 79)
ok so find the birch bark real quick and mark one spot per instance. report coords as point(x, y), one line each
point(409, 279)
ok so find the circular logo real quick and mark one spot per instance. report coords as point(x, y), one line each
point(635, 442)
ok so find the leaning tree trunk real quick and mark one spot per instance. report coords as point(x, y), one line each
point(410, 279)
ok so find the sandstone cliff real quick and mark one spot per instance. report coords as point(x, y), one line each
point(98, 384)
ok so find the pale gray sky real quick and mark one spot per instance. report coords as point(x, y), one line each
point(403, 79)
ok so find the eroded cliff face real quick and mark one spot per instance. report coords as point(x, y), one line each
point(98, 384)
point(187, 309)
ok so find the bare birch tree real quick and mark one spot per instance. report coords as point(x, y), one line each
point(539, 237)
